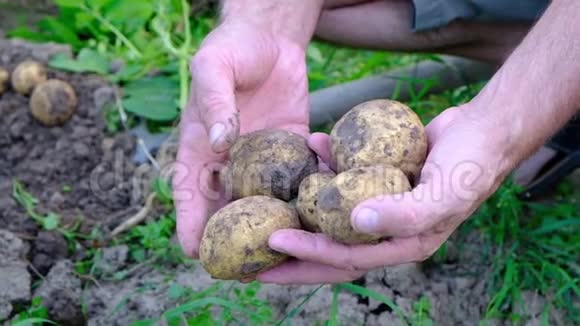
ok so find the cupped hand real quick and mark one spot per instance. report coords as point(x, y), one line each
point(464, 166)
point(243, 79)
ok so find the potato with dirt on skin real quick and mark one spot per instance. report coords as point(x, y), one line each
point(268, 162)
point(308, 197)
point(53, 102)
point(4, 77)
point(234, 244)
point(379, 132)
point(27, 75)
point(341, 195)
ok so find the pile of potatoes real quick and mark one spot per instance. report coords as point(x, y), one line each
point(52, 101)
point(273, 178)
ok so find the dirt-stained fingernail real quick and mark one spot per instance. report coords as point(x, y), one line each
point(217, 134)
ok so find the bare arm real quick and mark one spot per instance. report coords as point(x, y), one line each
point(538, 88)
point(288, 18)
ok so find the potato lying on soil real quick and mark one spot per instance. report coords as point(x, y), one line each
point(308, 197)
point(53, 102)
point(268, 162)
point(235, 241)
point(341, 195)
point(27, 75)
point(379, 132)
point(4, 77)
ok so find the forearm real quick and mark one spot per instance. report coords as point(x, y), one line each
point(538, 88)
point(295, 20)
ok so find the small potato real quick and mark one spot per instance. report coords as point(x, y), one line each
point(341, 195)
point(308, 197)
point(53, 102)
point(4, 77)
point(27, 75)
point(268, 162)
point(234, 245)
point(379, 132)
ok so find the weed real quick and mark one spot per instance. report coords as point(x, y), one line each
point(364, 292)
point(50, 221)
point(535, 248)
point(421, 310)
point(35, 314)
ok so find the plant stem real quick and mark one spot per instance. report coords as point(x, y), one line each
point(113, 29)
point(186, 25)
point(183, 83)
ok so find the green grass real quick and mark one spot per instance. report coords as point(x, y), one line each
point(529, 246)
point(534, 246)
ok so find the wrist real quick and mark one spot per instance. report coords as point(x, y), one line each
point(501, 140)
point(282, 18)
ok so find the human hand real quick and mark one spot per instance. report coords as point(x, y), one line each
point(244, 79)
point(465, 165)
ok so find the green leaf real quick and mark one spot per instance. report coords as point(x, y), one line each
point(28, 34)
point(131, 15)
point(153, 98)
point(375, 296)
point(550, 226)
point(50, 222)
point(202, 319)
point(23, 197)
point(162, 190)
point(144, 322)
point(128, 72)
point(200, 303)
point(175, 291)
point(333, 318)
point(139, 254)
point(313, 53)
point(298, 308)
point(33, 321)
point(67, 3)
point(88, 60)
point(61, 32)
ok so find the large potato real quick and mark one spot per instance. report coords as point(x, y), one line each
point(268, 162)
point(341, 195)
point(308, 197)
point(53, 102)
point(235, 241)
point(4, 77)
point(27, 75)
point(379, 132)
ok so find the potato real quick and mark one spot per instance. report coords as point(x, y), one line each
point(53, 102)
point(27, 75)
point(308, 197)
point(379, 132)
point(341, 195)
point(268, 162)
point(234, 245)
point(4, 77)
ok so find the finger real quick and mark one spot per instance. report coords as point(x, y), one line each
point(303, 272)
point(192, 188)
point(320, 143)
point(318, 248)
point(411, 213)
point(213, 89)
